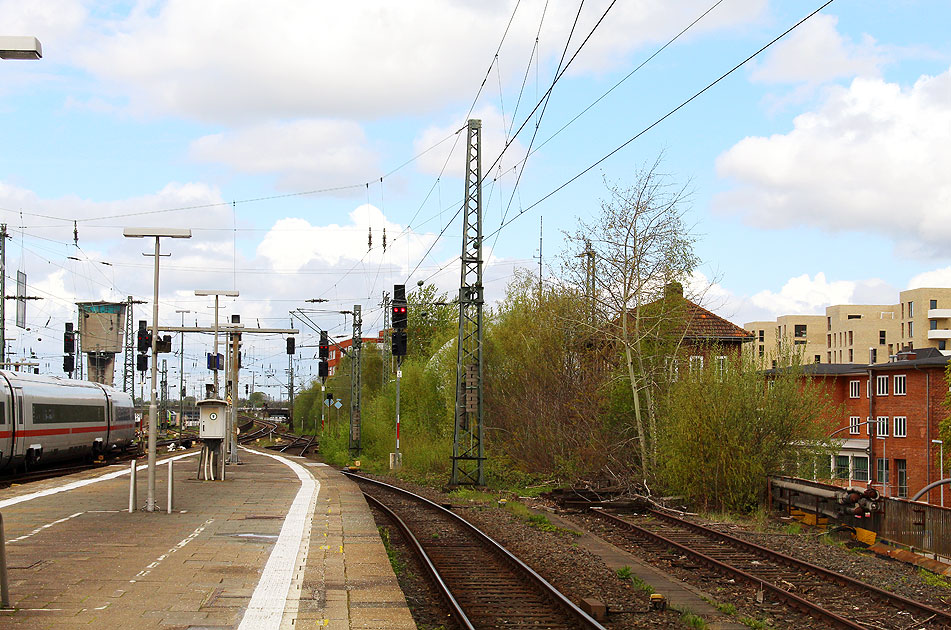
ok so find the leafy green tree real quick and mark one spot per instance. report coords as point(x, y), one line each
point(725, 430)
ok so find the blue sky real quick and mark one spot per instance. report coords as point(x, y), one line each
point(818, 171)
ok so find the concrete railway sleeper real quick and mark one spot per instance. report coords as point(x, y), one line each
point(485, 586)
point(837, 600)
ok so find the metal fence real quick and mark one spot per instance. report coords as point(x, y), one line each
point(921, 526)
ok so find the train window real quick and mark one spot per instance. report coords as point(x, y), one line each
point(47, 413)
point(3, 413)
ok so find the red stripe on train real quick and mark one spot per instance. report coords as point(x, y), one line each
point(39, 432)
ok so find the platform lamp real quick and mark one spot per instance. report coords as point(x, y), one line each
point(157, 234)
point(20, 47)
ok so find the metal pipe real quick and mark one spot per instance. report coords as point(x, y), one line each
point(811, 490)
point(132, 489)
point(171, 483)
point(925, 490)
point(4, 581)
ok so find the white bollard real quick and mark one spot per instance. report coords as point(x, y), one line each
point(132, 498)
point(171, 481)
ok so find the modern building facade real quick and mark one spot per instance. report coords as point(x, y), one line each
point(861, 333)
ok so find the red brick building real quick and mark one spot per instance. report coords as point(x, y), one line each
point(345, 344)
point(891, 415)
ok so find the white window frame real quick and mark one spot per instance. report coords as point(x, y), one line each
point(855, 424)
point(900, 426)
point(696, 364)
point(855, 389)
point(882, 428)
point(899, 386)
point(881, 385)
point(721, 366)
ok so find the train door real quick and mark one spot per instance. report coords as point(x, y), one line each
point(20, 439)
point(6, 426)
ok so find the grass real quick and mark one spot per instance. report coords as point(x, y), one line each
point(641, 585)
point(477, 496)
point(792, 528)
point(933, 579)
point(756, 624)
point(726, 609)
point(692, 621)
point(538, 521)
point(624, 573)
point(396, 561)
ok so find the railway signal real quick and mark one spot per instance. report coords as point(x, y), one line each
point(324, 352)
point(143, 337)
point(399, 306)
point(290, 345)
point(69, 339)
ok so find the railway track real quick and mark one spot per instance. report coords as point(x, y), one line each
point(832, 598)
point(483, 584)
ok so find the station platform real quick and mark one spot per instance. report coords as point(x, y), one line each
point(281, 543)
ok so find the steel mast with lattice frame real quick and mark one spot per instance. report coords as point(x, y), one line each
point(468, 453)
point(355, 381)
point(128, 356)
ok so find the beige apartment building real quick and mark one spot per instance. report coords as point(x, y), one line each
point(861, 333)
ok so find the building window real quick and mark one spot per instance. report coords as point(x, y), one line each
point(881, 337)
point(721, 367)
point(850, 338)
point(901, 476)
point(762, 336)
point(855, 424)
point(850, 355)
point(901, 423)
point(828, 357)
point(882, 426)
point(899, 385)
point(853, 317)
point(828, 323)
point(696, 365)
point(800, 330)
point(942, 345)
point(842, 466)
point(911, 329)
point(933, 324)
point(828, 341)
point(860, 468)
point(903, 330)
point(818, 359)
point(911, 309)
point(854, 389)
point(882, 466)
point(881, 386)
point(873, 355)
point(762, 351)
point(932, 303)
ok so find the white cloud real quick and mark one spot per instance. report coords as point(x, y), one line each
point(803, 295)
point(306, 154)
point(872, 158)
point(224, 60)
point(934, 278)
point(817, 52)
point(294, 243)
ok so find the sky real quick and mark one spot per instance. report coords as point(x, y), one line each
point(284, 134)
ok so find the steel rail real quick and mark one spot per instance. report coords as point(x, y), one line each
point(843, 580)
point(454, 609)
point(803, 605)
point(541, 582)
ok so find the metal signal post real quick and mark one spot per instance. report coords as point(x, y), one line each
point(355, 381)
point(468, 454)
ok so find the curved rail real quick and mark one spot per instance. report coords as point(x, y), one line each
point(729, 566)
point(578, 618)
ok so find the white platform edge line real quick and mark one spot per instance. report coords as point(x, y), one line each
point(84, 482)
point(266, 608)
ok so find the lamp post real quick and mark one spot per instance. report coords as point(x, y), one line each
point(12, 47)
point(181, 383)
point(205, 292)
point(157, 234)
point(940, 443)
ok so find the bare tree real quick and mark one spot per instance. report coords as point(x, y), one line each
point(640, 244)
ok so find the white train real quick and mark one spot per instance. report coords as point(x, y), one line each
point(48, 418)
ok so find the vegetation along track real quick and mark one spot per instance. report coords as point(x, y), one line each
point(834, 599)
point(484, 585)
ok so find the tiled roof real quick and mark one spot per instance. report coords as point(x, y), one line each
point(703, 324)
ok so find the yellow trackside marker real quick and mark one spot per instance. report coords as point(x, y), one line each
point(341, 548)
point(325, 547)
point(321, 623)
